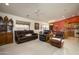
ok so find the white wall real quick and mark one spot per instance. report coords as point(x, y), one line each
point(23, 19)
point(14, 18)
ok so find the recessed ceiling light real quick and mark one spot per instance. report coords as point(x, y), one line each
point(7, 4)
point(73, 15)
point(63, 17)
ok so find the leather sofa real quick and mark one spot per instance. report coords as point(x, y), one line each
point(59, 34)
point(58, 40)
point(22, 36)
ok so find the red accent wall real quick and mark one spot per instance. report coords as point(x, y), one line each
point(73, 19)
point(58, 26)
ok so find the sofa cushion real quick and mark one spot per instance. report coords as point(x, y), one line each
point(28, 32)
point(58, 39)
point(28, 35)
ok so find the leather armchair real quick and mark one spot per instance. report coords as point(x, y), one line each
point(43, 36)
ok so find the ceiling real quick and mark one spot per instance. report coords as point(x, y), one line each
point(41, 11)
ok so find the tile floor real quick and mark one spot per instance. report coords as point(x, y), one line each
point(37, 47)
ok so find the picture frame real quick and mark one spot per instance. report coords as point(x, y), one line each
point(36, 26)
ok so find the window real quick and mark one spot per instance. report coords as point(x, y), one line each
point(20, 25)
point(45, 27)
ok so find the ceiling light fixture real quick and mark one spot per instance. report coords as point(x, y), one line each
point(63, 17)
point(7, 4)
point(73, 15)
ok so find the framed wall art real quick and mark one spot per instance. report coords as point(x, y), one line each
point(36, 26)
